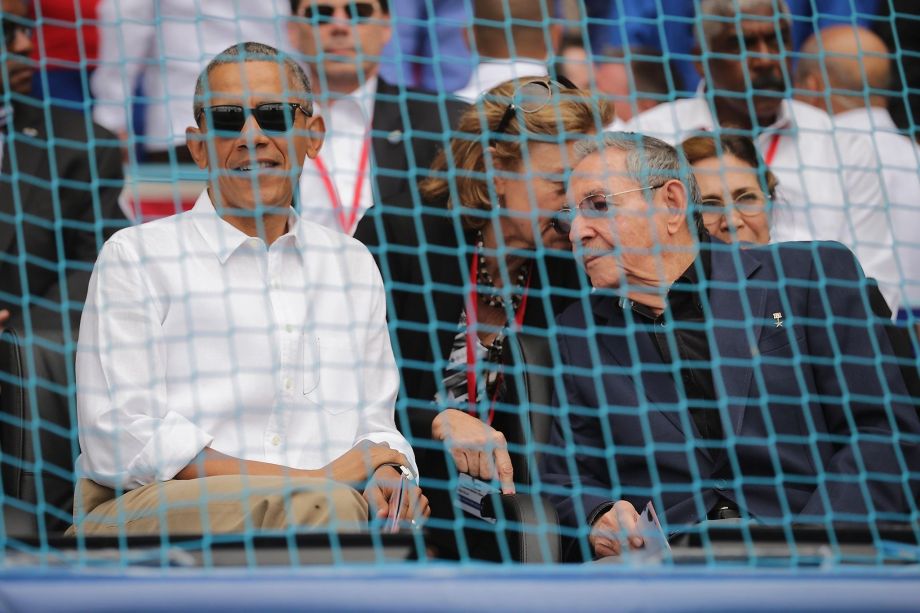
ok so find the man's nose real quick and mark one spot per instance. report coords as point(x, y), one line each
point(252, 131)
point(580, 230)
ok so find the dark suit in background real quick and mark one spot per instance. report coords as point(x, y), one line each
point(791, 396)
point(59, 185)
point(408, 129)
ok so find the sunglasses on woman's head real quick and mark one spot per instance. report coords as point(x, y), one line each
point(354, 10)
point(272, 116)
point(530, 97)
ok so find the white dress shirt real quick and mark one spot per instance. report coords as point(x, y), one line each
point(348, 124)
point(195, 334)
point(490, 73)
point(167, 43)
point(829, 188)
point(897, 158)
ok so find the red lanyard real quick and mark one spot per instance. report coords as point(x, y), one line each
point(471, 337)
point(347, 225)
point(771, 150)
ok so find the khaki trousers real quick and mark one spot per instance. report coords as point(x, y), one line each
point(213, 505)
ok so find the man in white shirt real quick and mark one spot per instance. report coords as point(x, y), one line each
point(507, 43)
point(857, 68)
point(380, 138)
point(234, 367)
point(827, 187)
point(164, 45)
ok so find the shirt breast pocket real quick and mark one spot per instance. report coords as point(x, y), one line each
point(331, 374)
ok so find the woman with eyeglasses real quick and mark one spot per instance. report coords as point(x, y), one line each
point(483, 257)
point(736, 186)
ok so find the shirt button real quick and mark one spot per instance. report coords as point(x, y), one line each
point(276, 440)
point(276, 284)
point(289, 328)
point(288, 384)
point(721, 484)
point(662, 324)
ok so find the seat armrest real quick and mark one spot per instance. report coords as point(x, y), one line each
point(532, 526)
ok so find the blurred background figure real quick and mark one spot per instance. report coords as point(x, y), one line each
point(669, 27)
point(510, 40)
point(60, 178)
point(429, 48)
point(635, 79)
point(67, 40)
point(847, 72)
point(736, 187)
point(574, 63)
point(375, 131)
point(162, 46)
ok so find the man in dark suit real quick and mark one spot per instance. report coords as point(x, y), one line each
point(60, 177)
point(380, 138)
point(718, 382)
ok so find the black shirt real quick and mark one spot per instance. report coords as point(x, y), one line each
point(683, 322)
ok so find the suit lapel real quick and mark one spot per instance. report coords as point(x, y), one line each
point(735, 344)
point(629, 347)
point(388, 146)
point(23, 159)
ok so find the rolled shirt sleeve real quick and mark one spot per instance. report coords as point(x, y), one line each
point(128, 435)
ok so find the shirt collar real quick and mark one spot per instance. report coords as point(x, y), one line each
point(876, 118)
point(223, 238)
point(363, 98)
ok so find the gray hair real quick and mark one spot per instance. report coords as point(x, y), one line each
point(649, 161)
point(251, 52)
point(714, 17)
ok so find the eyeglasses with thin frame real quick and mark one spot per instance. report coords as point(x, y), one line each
point(592, 205)
point(354, 10)
point(276, 117)
point(748, 204)
point(530, 97)
point(12, 28)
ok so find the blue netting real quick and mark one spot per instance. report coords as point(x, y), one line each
point(717, 323)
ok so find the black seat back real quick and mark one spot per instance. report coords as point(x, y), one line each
point(37, 437)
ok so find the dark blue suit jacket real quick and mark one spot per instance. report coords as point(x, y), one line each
point(809, 408)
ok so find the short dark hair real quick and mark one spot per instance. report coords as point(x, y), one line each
point(250, 52)
point(295, 6)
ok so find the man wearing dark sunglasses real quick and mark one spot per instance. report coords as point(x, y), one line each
point(238, 354)
point(59, 185)
point(380, 138)
point(719, 382)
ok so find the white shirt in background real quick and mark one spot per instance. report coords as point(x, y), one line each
point(166, 44)
point(898, 159)
point(348, 124)
point(829, 188)
point(489, 73)
point(195, 334)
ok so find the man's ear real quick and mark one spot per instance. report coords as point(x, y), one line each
point(197, 144)
point(316, 134)
point(677, 201)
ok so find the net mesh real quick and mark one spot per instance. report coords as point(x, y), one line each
point(538, 296)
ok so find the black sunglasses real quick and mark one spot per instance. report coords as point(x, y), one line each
point(272, 116)
point(11, 29)
point(530, 97)
point(354, 10)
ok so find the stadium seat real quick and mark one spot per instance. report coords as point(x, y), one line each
point(37, 440)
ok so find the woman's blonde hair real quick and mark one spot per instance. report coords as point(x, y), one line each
point(463, 166)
